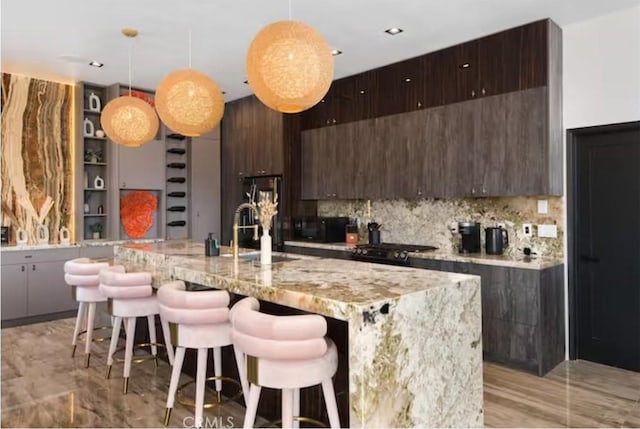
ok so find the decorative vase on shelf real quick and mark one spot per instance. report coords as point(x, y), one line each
point(89, 128)
point(94, 103)
point(98, 182)
point(42, 234)
point(265, 249)
point(96, 235)
point(65, 236)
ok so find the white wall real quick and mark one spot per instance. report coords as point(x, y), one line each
point(601, 82)
point(601, 69)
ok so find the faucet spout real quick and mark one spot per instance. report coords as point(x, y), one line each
point(236, 227)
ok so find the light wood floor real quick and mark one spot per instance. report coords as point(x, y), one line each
point(42, 386)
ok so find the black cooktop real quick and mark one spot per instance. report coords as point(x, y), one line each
point(388, 253)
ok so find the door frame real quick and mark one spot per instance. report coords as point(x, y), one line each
point(573, 139)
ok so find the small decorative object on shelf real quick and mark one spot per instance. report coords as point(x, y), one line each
point(179, 165)
point(22, 237)
point(100, 209)
point(96, 230)
point(92, 155)
point(98, 182)
point(177, 194)
point(100, 133)
point(42, 234)
point(94, 103)
point(267, 209)
point(89, 128)
point(176, 180)
point(86, 208)
point(176, 223)
point(65, 235)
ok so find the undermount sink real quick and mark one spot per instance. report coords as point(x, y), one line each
point(255, 256)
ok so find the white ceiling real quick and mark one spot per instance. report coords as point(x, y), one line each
point(55, 39)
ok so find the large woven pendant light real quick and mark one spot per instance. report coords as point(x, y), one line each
point(289, 66)
point(128, 120)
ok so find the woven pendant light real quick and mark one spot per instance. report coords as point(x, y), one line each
point(129, 121)
point(289, 66)
point(189, 102)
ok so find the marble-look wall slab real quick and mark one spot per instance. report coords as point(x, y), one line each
point(36, 153)
point(428, 221)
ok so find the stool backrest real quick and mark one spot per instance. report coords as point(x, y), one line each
point(277, 337)
point(178, 305)
point(83, 272)
point(116, 283)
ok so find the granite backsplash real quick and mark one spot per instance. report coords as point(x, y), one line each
point(429, 221)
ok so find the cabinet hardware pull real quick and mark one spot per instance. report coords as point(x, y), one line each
point(473, 190)
point(124, 185)
point(23, 268)
point(483, 91)
point(484, 191)
point(33, 268)
point(473, 93)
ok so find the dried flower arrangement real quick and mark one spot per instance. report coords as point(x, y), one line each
point(267, 209)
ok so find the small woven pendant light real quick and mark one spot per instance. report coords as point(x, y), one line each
point(189, 102)
point(128, 120)
point(289, 66)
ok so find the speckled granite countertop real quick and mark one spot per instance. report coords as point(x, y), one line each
point(85, 243)
point(444, 255)
point(415, 336)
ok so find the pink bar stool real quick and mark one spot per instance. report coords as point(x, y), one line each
point(131, 296)
point(198, 320)
point(283, 352)
point(82, 275)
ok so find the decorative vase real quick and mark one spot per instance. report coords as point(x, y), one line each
point(22, 237)
point(94, 103)
point(96, 236)
point(98, 182)
point(65, 235)
point(86, 208)
point(100, 133)
point(42, 235)
point(265, 249)
point(89, 128)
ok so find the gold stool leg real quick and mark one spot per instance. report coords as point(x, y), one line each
point(125, 385)
point(73, 351)
point(108, 374)
point(86, 365)
point(167, 416)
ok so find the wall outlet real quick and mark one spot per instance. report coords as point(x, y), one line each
point(453, 227)
point(548, 231)
point(543, 206)
point(527, 229)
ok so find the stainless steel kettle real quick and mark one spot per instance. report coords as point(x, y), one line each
point(496, 239)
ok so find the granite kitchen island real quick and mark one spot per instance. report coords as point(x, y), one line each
point(414, 348)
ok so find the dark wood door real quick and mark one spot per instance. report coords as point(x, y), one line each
point(459, 130)
point(607, 250)
point(456, 71)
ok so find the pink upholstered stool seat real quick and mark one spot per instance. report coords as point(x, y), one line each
point(283, 352)
point(199, 320)
point(131, 296)
point(82, 275)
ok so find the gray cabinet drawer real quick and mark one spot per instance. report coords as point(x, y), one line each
point(47, 291)
point(14, 291)
point(39, 255)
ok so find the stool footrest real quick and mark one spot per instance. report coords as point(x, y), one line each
point(191, 404)
point(140, 359)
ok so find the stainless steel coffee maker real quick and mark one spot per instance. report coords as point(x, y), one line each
point(469, 237)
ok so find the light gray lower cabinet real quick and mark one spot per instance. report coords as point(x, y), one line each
point(14, 291)
point(96, 252)
point(33, 283)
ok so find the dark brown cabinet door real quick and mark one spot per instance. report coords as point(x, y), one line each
point(456, 71)
point(513, 60)
point(511, 145)
point(319, 164)
point(459, 138)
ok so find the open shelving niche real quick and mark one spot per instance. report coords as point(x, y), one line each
point(178, 188)
point(92, 161)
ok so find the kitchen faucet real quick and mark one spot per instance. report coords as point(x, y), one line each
point(236, 227)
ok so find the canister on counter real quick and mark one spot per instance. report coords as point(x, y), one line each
point(352, 234)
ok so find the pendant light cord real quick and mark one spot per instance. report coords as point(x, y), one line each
point(189, 48)
point(130, 56)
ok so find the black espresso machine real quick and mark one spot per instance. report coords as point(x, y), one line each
point(469, 237)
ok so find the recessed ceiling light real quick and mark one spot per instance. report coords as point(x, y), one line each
point(322, 101)
point(465, 66)
point(393, 31)
point(335, 52)
point(362, 91)
point(96, 64)
point(407, 79)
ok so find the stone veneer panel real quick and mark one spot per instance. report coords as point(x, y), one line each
point(428, 221)
point(36, 153)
